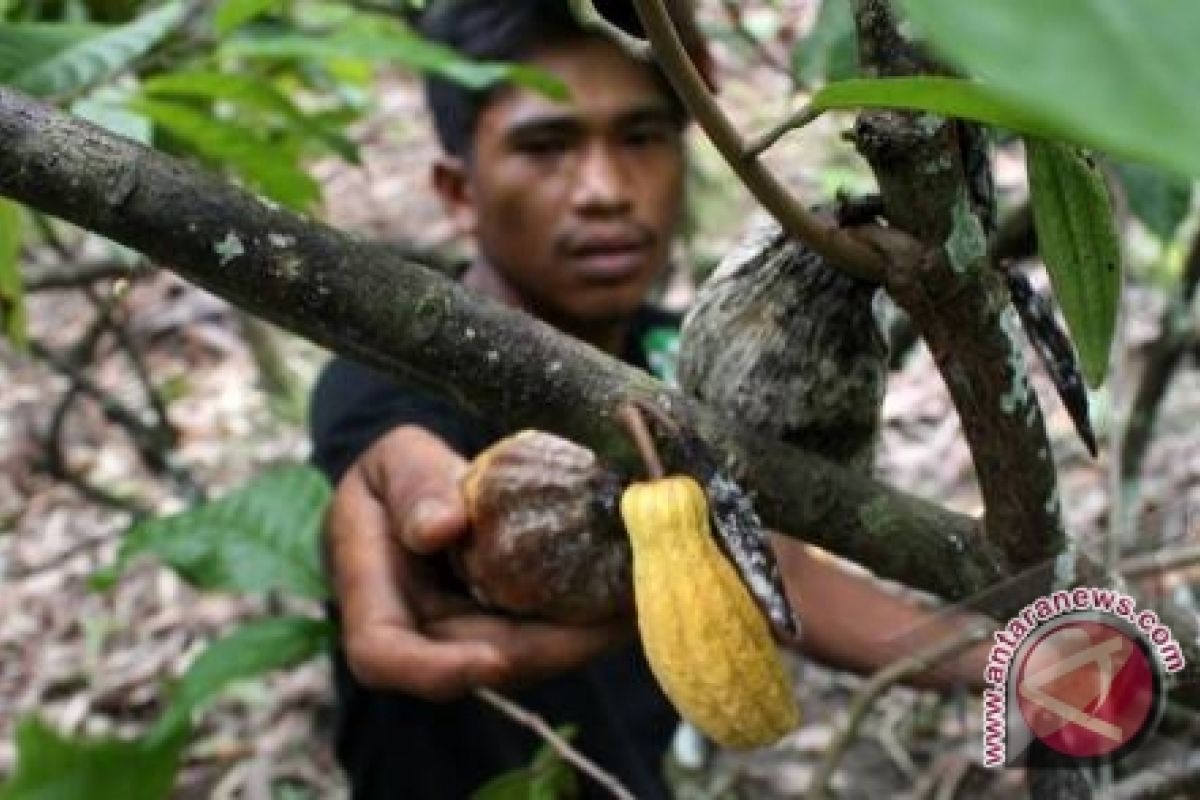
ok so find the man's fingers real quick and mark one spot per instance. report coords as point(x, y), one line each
point(416, 475)
point(530, 651)
point(395, 658)
point(384, 647)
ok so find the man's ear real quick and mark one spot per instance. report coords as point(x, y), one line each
point(453, 185)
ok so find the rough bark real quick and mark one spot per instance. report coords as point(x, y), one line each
point(373, 304)
point(928, 170)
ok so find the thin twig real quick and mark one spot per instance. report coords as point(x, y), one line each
point(56, 463)
point(766, 140)
point(591, 19)
point(838, 246)
point(880, 682)
point(560, 745)
point(1172, 779)
point(1157, 563)
point(144, 437)
point(1177, 330)
point(71, 275)
point(162, 437)
point(634, 424)
point(733, 12)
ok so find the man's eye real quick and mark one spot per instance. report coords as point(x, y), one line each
point(646, 136)
point(542, 147)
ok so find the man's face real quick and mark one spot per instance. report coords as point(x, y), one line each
point(574, 203)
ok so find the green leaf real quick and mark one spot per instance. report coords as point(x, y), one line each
point(1117, 75)
point(53, 767)
point(106, 107)
point(1078, 240)
point(1159, 199)
point(98, 57)
point(830, 51)
point(398, 47)
point(235, 13)
point(516, 784)
point(22, 45)
point(12, 293)
point(251, 93)
point(270, 168)
point(263, 536)
point(552, 777)
point(951, 97)
point(254, 649)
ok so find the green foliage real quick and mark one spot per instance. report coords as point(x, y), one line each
point(395, 46)
point(251, 94)
point(1116, 75)
point(547, 777)
point(234, 13)
point(12, 294)
point(952, 97)
point(1160, 200)
point(24, 45)
point(1078, 240)
point(261, 537)
point(54, 767)
point(267, 166)
point(94, 58)
point(107, 107)
point(830, 51)
point(251, 650)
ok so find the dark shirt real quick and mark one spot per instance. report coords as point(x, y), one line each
point(396, 746)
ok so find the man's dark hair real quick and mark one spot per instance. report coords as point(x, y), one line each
point(504, 30)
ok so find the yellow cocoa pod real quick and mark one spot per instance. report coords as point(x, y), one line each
point(706, 640)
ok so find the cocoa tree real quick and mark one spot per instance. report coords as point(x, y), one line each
point(936, 256)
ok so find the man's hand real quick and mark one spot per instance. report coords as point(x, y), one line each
point(396, 505)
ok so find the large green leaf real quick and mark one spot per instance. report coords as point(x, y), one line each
point(254, 649)
point(249, 92)
point(1119, 75)
point(235, 13)
point(951, 97)
point(53, 767)
point(272, 169)
point(12, 293)
point(1078, 241)
point(97, 57)
point(26, 44)
point(397, 47)
point(263, 536)
point(1160, 200)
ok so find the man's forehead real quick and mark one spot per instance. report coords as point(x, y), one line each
point(519, 116)
point(603, 86)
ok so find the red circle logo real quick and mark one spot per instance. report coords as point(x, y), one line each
point(1087, 688)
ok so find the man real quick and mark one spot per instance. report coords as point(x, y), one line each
point(572, 207)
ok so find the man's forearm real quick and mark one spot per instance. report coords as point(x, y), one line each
point(851, 621)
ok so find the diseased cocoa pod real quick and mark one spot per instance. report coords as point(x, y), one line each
point(546, 538)
point(707, 642)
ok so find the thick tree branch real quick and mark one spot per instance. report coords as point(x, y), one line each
point(958, 303)
point(372, 304)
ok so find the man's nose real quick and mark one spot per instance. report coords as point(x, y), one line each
point(601, 187)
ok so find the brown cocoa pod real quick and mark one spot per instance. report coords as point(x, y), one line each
point(546, 537)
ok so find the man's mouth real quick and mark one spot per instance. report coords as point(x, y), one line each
point(609, 257)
